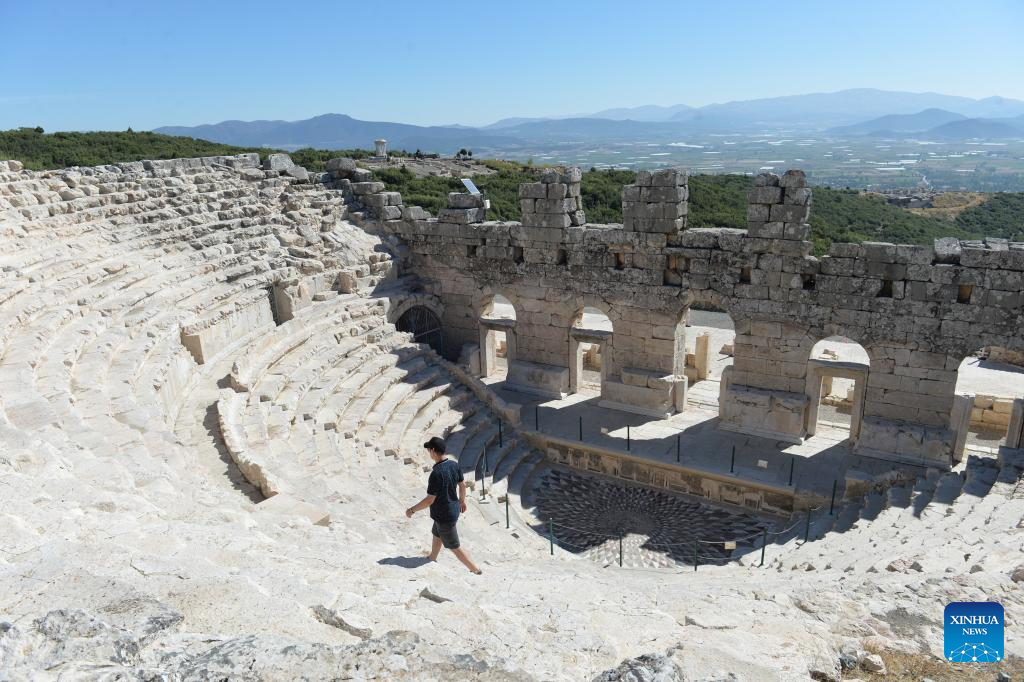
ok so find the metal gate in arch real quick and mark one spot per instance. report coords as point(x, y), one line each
point(424, 326)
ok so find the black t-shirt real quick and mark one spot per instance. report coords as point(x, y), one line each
point(443, 484)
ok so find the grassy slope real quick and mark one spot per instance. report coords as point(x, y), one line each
point(715, 200)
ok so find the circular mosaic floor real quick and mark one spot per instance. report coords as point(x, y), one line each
point(588, 515)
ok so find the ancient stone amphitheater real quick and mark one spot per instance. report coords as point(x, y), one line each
point(216, 374)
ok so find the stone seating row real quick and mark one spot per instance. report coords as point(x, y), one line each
point(381, 395)
point(971, 506)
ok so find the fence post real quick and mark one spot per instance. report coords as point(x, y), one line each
point(832, 504)
point(792, 463)
point(536, 418)
point(507, 522)
point(551, 535)
point(581, 428)
point(764, 543)
point(732, 462)
point(696, 559)
point(483, 479)
point(627, 438)
point(620, 551)
point(677, 448)
point(807, 529)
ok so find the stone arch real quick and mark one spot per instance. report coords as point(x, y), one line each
point(838, 370)
point(485, 303)
point(988, 402)
point(424, 325)
point(591, 344)
point(432, 303)
point(496, 316)
point(709, 341)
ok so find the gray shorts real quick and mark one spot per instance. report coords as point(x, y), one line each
point(446, 531)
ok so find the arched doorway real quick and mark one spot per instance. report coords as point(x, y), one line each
point(837, 373)
point(497, 336)
point(710, 338)
point(989, 388)
point(590, 357)
point(424, 326)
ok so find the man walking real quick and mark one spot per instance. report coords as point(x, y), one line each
point(446, 498)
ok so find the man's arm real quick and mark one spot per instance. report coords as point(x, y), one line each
point(420, 506)
point(462, 496)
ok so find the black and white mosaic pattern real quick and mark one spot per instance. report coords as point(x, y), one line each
point(589, 514)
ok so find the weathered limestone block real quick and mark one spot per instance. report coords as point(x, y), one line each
point(465, 200)
point(762, 412)
point(766, 180)
point(277, 162)
point(297, 172)
point(669, 177)
point(788, 213)
point(361, 188)
point(223, 327)
point(547, 220)
point(342, 166)
point(533, 190)
point(883, 252)
point(904, 440)
point(765, 195)
point(793, 178)
point(648, 393)
point(538, 378)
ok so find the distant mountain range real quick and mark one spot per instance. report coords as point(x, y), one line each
point(936, 124)
point(844, 113)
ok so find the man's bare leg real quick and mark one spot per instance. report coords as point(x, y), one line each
point(461, 555)
point(435, 548)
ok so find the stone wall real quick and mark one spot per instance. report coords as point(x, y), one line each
point(917, 310)
point(550, 274)
point(674, 478)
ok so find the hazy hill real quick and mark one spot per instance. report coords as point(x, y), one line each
point(994, 107)
point(900, 123)
point(979, 128)
point(809, 113)
point(648, 112)
point(337, 131)
point(581, 129)
point(831, 109)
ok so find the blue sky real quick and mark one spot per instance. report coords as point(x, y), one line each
point(111, 64)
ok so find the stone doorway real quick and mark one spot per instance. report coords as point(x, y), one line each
point(497, 337)
point(988, 407)
point(590, 356)
point(837, 374)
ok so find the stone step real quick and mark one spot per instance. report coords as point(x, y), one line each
point(385, 415)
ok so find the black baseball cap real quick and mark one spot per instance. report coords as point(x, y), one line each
point(436, 444)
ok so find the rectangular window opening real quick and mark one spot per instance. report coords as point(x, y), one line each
point(471, 250)
point(808, 281)
point(517, 254)
point(886, 290)
point(745, 276)
point(620, 261)
point(963, 293)
point(562, 258)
